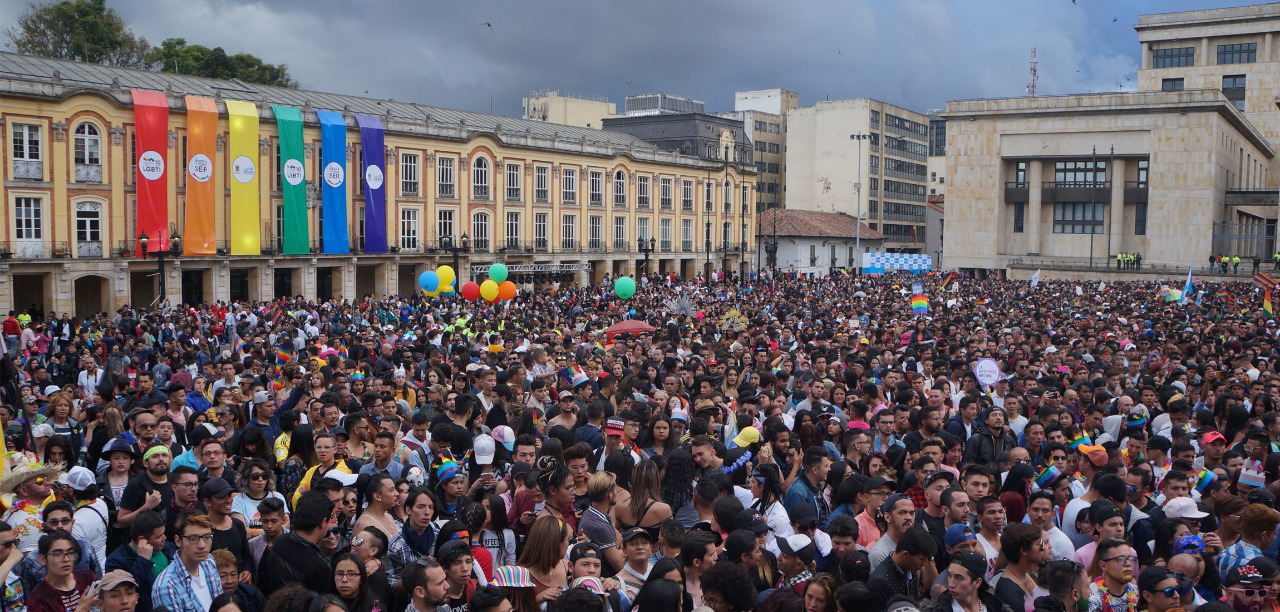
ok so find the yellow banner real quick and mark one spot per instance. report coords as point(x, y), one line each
point(242, 161)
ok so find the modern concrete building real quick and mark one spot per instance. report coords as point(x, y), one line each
point(580, 110)
point(764, 115)
point(812, 243)
point(1181, 168)
point(862, 157)
point(556, 201)
point(661, 104)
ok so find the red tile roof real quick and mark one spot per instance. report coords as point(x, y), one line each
point(810, 223)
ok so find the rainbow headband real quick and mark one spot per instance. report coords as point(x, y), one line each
point(1135, 420)
point(154, 450)
point(1047, 476)
point(1076, 442)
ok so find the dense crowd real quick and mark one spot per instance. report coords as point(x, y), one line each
point(777, 445)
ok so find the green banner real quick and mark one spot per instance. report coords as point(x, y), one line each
point(293, 181)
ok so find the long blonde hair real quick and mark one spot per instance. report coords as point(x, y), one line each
point(113, 419)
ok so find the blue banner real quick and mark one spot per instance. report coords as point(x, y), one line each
point(375, 190)
point(333, 174)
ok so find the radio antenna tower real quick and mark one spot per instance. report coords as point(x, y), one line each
point(1035, 76)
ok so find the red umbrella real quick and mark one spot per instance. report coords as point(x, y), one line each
point(630, 326)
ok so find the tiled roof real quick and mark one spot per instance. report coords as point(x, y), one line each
point(808, 223)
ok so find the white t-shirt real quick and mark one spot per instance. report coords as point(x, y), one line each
point(200, 589)
point(1069, 516)
point(91, 526)
point(1062, 546)
point(991, 553)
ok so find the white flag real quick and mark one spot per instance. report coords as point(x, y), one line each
point(1079, 291)
point(1035, 279)
point(1101, 287)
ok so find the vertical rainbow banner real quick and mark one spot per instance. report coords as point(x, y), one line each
point(293, 181)
point(151, 113)
point(333, 191)
point(199, 232)
point(242, 153)
point(375, 191)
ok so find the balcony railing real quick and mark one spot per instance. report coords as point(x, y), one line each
point(541, 245)
point(88, 173)
point(445, 191)
point(568, 244)
point(665, 245)
point(87, 249)
point(480, 192)
point(621, 245)
point(410, 244)
point(686, 246)
point(28, 170)
point(595, 246)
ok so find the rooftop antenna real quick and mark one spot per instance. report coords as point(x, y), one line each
point(1035, 75)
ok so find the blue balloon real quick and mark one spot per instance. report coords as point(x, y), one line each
point(429, 281)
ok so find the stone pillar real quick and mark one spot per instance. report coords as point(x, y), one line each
point(1115, 243)
point(6, 289)
point(309, 281)
point(349, 280)
point(173, 281)
point(389, 280)
point(1033, 206)
point(1266, 47)
point(267, 281)
point(120, 286)
point(221, 281)
point(1202, 54)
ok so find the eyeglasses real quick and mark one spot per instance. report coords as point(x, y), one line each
point(711, 602)
point(59, 555)
point(197, 538)
point(1180, 577)
point(8, 543)
point(1123, 560)
point(187, 484)
point(55, 523)
point(346, 575)
point(1251, 592)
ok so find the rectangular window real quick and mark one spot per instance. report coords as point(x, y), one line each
point(686, 195)
point(664, 226)
point(88, 147)
point(728, 197)
point(28, 224)
point(513, 230)
point(1242, 53)
point(1077, 217)
point(775, 147)
point(279, 166)
point(761, 146)
point(642, 229)
point(1080, 173)
point(620, 233)
point(540, 231)
point(1171, 84)
point(409, 227)
point(1233, 89)
point(89, 224)
point(1020, 174)
point(513, 182)
point(1140, 219)
point(642, 191)
point(26, 142)
point(666, 194)
point(444, 177)
point(1177, 57)
point(1019, 216)
point(686, 235)
point(746, 200)
point(568, 231)
point(541, 191)
point(596, 240)
point(619, 189)
point(708, 196)
point(568, 186)
point(408, 174)
point(596, 188)
point(360, 180)
point(727, 229)
point(480, 232)
point(444, 224)
point(1144, 168)
point(480, 179)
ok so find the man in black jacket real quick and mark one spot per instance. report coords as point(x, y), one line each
point(295, 556)
point(990, 439)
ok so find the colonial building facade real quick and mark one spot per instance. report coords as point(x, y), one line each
point(556, 202)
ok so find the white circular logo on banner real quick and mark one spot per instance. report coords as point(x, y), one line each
point(373, 176)
point(151, 165)
point(334, 174)
point(200, 167)
point(293, 171)
point(243, 169)
point(987, 371)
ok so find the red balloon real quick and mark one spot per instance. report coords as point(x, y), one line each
point(506, 290)
point(471, 291)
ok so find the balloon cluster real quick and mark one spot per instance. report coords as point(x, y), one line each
point(441, 282)
point(624, 287)
point(494, 289)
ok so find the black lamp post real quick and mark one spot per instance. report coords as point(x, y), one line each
point(647, 247)
point(708, 271)
point(174, 246)
point(447, 244)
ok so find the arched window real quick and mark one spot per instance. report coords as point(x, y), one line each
point(620, 189)
point(88, 144)
point(480, 179)
point(480, 231)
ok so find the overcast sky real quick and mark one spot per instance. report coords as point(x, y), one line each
point(914, 53)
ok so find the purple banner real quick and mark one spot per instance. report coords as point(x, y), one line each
point(374, 176)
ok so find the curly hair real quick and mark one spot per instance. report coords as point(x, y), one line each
point(242, 476)
point(677, 481)
point(551, 473)
point(731, 582)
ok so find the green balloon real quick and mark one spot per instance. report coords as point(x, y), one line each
point(498, 272)
point(624, 287)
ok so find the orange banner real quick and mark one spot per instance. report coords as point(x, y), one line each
point(202, 133)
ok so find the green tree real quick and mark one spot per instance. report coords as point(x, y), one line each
point(175, 55)
point(79, 30)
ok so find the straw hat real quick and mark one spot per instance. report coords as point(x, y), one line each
point(25, 472)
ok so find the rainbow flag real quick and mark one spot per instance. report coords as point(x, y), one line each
point(277, 317)
point(946, 282)
point(238, 342)
point(283, 357)
point(342, 350)
point(1224, 295)
point(1266, 305)
point(919, 304)
point(1262, 281)
point(1080, 438)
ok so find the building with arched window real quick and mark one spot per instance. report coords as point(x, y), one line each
point(279, 192)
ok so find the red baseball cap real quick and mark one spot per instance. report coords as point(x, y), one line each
point(1214, 436)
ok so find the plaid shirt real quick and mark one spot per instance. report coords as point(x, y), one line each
point(1240, 553)
point(173, 588)
point(917, 497)
point(400, 555)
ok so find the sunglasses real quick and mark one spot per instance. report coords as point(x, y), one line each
point(1251, 592)
point(1168, 592)
point(257, 476)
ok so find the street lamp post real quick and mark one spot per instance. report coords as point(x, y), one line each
point(646, 247)
point(708, 269)
point(857, 195)
point(174, 246)
point(447, 244)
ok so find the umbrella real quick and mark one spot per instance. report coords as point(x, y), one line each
point(630, 326)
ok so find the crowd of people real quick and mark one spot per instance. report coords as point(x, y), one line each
point(781, 444)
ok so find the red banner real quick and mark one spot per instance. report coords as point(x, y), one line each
point(151, 116)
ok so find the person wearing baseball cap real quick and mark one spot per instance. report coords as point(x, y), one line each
point(967, 585)
point(1159, 588)
point(454, 557)
point(873, 493)
point(637, 545)
point(1246, 588)
point(795, 562)
point(117, 592)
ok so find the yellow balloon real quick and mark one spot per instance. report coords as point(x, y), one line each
point(488, 290)
point(446, 275)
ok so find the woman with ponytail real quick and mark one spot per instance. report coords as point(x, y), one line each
point(379, 490)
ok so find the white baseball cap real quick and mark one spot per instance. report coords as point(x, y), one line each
point(1183, 507)
point(484, 446)
point(78, 478)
